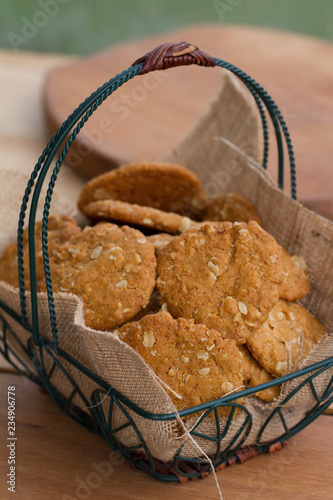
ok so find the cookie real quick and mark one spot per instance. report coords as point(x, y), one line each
point(285, 339)
point(254, 374)
point(164, 186)
point(60, 229)
point(224, 275)
point(296, 284)
point(144, 217)
point(233, 207)
point(160, 241)
point(111, 268)
point(193, 361)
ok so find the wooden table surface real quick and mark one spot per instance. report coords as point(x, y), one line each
point(55, 453)
point(59, 459)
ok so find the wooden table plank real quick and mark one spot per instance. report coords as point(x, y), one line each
point(59, 459)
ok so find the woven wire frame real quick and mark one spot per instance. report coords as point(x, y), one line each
point(80, 116)
point(99, 412)
point(15, 351)
point(39, 348)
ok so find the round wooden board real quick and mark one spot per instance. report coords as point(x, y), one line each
point(148, 115)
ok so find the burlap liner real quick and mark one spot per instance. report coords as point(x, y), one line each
point(222, 149)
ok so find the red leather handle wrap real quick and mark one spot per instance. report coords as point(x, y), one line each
point(169, 55)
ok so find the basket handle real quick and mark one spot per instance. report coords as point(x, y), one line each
point(169, 55)
point(163, 57)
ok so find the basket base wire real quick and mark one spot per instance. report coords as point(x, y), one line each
point(94, 419)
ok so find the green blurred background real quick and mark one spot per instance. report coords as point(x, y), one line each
point(84, 26)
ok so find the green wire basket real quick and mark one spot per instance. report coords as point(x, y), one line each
point(38, 348)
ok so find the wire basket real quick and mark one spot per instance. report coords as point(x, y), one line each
point(38, 357)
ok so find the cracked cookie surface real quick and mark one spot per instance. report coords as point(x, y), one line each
point(192, 360)
point(285, 339)
point(111, 268)
point(224, 275)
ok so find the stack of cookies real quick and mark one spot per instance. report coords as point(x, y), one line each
point(199, 289)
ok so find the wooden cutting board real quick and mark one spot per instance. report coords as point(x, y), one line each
point(150, 114)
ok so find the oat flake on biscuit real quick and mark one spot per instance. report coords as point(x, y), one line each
point(111, 268)
point(285, 339)
point(226, 276)
point(160, 241)
point(143, 217)
point(193, 361)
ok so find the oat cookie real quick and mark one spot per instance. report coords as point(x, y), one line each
point(145, 217)
point(111, 268)
point(60, 229)
point(160, 241)
point(285, 339)
point(254, 374)
point(296, 284)
point(165, 186)
point(233, 207)
point(224, 275)
point(192, 360)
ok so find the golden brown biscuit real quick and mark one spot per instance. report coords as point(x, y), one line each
point(160, 241)
point(165, 186)
point(296, 284)
point(145, 217)
point(285, 339)
point(254, 374)
point(224, 275)
point(233, 207)
point(192, 360)
point(111, 268)
point(60, 229)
